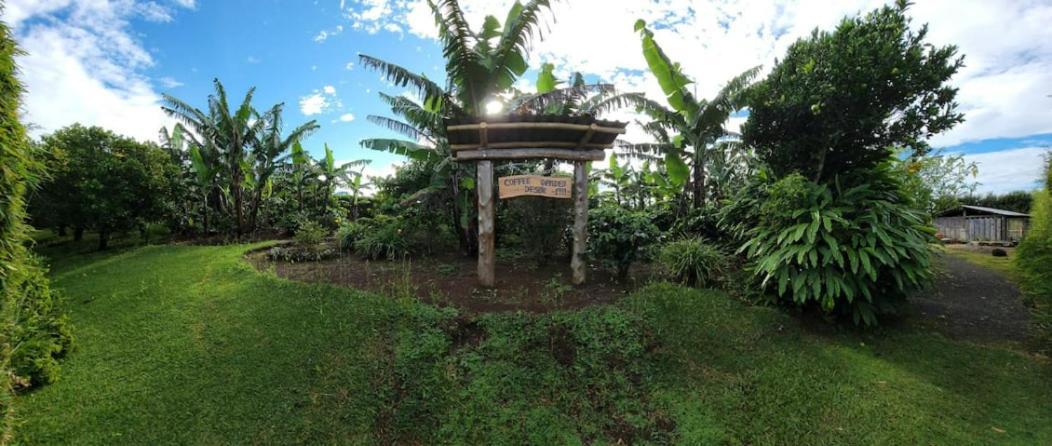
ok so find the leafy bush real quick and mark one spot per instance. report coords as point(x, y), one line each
point(349, 233)
point(34, 332)
point(1034, 258)
point(855, 251)
point(692, 261)
point(384, 238)
point(618, 237)
point(310, 233)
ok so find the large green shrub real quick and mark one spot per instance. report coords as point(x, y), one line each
point(33, 330)
point(853, 251)
point(1034, 258)
point(618, 237)
point(692, 261)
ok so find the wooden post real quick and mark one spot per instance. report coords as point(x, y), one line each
point(487, 254)
point(580, 222)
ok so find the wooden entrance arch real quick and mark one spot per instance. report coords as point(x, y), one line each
point(576, 139)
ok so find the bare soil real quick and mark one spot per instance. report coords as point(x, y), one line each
point(973, 303)
point(450, 279)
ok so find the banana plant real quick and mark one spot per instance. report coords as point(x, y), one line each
point(333, 176)
point(229, 131)
point(696, 124)
point(480, 65)
point(270, 152)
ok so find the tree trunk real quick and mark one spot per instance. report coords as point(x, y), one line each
point(78, 233)
point(699, 179)
point(61, 230)
point(204, 210)
point(235, 190)
point(104, 239)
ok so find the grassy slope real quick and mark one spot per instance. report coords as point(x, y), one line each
point(184, 345)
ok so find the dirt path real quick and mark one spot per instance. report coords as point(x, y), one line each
point(970, 302)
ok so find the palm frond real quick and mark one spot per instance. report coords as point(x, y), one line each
point(603, 103)
point(400, 147)
point(403, 77)
point(415, 114)
point(397, 126)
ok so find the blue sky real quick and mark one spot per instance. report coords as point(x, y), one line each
point(106, 62)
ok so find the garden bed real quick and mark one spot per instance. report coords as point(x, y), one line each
point(451, 280)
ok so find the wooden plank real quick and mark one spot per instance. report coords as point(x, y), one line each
point(519, 154)
point(487, 253)
point(538, 145)
point(536, 125)
point(580, 222)
point(535, 186)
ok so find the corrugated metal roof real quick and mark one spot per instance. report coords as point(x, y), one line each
point(995, 211)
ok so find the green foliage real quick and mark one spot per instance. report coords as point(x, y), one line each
point(937, 182)
point(105, 182)
point(1034, 258)
point(854, 251)
point(536, 225)
point(34, 332)
point(843, 100)
point(311, 233)
point(349, 233)
point(687, 134)
point(385, 238)
point(236, 155)
point(618, 237)
point(692, 261)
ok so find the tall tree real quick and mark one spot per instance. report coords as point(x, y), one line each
point(844, 100)
point(690, 127)
point(269, 151)
point(479, 67)
point(231, 132)
point(110, 183)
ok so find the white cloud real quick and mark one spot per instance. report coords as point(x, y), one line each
point(84, 64)
point(1009, 170)
point(349, 66)
point(313, 104)
point(169, 82)
point(1004, 87)
point(320, 101)
point(324, 35)
point(347, 117)
point(253, 60)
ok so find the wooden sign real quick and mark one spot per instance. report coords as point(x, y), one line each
point(535, 185)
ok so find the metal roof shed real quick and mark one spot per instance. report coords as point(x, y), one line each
point(982, 224)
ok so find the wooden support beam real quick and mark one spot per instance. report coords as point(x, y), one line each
point(518, 154)
point(580, 222)
point(539, 145)
point(487, 254)
point(537, 125)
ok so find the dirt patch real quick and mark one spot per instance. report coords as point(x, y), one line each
point(974, 303)
point(451, 280)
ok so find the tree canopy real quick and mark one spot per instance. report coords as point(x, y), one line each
point(844, 100)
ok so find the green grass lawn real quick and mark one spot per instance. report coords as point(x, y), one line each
point(190, 345)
